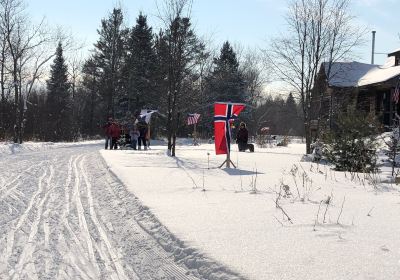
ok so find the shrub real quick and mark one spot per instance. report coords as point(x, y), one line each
point(351, 145)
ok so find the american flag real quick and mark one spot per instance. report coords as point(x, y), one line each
point(193, 118)
point(396, 93)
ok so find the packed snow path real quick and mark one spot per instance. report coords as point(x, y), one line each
point(63, 215)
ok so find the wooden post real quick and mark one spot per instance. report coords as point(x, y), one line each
point(194, 135)
point(228, 161)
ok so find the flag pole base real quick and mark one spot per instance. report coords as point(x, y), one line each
point(228, 163)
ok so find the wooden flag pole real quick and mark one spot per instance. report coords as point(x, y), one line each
point(194, 135)
point(228, 161)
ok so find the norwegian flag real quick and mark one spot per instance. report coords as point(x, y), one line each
point(396, 92)
point(224, 115)
point(193, 118)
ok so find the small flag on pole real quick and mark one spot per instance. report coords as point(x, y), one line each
point(193, 118)
point(145, 115)
point(396, 93)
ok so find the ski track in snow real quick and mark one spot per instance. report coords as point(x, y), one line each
point(63, 215)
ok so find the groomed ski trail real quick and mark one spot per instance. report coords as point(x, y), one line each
point(63, 215)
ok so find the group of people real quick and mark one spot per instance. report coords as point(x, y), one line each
point(136, 133)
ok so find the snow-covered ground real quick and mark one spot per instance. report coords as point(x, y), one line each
point(343, 226)
point(7, 148)
point(65, 215)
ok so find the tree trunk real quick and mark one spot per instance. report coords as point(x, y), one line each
point(17, 122)
point(169, 123)
point(308, 137)
point(174, 137)
point(3, 100)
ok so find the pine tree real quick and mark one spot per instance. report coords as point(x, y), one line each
point(290, 116)
point(352, 145)
point(91, 114)
point(58, 100)
point(108, 57)
point(140, 67)
point(162, 65)
point(225, 82)
point(182, 49)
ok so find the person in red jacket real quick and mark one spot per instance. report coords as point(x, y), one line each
point(115, 132)
point(107, 132)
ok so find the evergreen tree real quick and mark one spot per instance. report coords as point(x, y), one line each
point(91, 110)
point(290, 117)
point(182, 50)
point(226, 82)
point(282, 117)
point(352, 145)
point(58, 100)
point(108, 57)
point(161, 67)
point(140, 67)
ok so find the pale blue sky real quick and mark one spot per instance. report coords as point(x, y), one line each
point(250, 22)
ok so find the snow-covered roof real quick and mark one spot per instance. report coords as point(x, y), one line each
point(393, 52)
point(356, 74)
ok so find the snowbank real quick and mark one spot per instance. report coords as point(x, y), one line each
point(7, 148)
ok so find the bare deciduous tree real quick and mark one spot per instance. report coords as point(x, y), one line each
point(29, 47)
point(319, 31)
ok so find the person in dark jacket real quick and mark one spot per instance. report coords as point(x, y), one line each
point(107, 132)
point(115, 131)
point(242, 137)
point(143, 128)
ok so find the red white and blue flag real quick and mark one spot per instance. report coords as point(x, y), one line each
point(224, 115)
point(193, 118)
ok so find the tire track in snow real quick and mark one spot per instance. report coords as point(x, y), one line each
point(114, 257)
point(23, 165)
point(69, 242)
point(21, 221)
point(84, 229)
point(4, 191)
point(26, 255)
point(49, 256)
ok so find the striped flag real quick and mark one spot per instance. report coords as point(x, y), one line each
point(224, 115)
point(193, 118)
point(396, 93)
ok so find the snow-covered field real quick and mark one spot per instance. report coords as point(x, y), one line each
point(65, 215)
point(343, 226)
